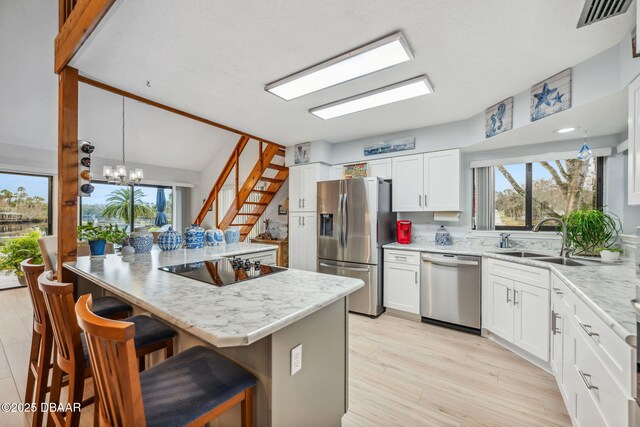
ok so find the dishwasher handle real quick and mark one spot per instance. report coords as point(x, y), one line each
point(454, 262)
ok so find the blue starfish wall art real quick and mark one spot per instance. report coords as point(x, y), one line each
point(499, 118)
point(551, 96)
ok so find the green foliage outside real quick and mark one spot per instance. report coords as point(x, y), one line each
point(16, 250)
point(119, 205)
point(111, 233)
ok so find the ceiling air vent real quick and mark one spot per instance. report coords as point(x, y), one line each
point(597, 10)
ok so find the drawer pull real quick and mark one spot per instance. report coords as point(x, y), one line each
point(558, 291)
point(400, 257)
point(587, 383)
point(515, 297)
point(508, 292)
point(587, 329)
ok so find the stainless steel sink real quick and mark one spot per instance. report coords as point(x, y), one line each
point(568, 261)
point(521, 254)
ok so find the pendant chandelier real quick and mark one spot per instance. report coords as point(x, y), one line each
point(118, 175)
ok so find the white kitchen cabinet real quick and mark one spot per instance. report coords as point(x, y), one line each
point(407, 173)
point(518, 308)
point(303, 241)
point(380, 168)
point(442, 181)
point(634, 143)
point(500, 320)
point(402, 287)
point(303, 190)
point(531, 319)
point(336, 172)
point(426, 182)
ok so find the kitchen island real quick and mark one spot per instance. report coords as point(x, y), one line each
point(255, 323)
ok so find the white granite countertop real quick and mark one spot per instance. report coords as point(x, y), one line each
point(233, 315)
point(607, 288)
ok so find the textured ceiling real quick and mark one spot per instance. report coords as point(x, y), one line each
point(213, 58)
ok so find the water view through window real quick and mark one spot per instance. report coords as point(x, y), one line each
point(111, 204)
point(24, 204)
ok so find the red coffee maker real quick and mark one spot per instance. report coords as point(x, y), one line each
point(403, 231)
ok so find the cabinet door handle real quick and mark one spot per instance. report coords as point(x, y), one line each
point(553, 322)
point(419, 200)
point(416, 277)
point(299, 202)
point(425, 200)
point(303, 203)
point(299, 220)
point(587, 329)
point(515, 297)
point(508, 295)
point(303, 224)
point(587, 383)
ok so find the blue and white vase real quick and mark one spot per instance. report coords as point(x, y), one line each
point(214, 237)
point(194, 237)
point(169, 240)
point(141, 240)
point(443, 238)
point(232, 235)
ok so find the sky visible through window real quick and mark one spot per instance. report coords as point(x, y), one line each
point(33, 185)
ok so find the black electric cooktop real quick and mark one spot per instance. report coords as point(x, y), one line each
point(223, 272)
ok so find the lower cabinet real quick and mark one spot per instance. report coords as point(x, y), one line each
point(402, 280)
point(402, 287)
point(518, 312)
point(303, 241)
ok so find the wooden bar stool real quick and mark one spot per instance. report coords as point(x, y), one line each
point(72, 354)
point(41, 343)
point(109, 307)
point(188, 389)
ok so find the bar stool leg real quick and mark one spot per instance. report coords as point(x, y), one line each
point(33, 359)
point(246, 408)
point(54, 396)
point(76, 390)
point(42, 381)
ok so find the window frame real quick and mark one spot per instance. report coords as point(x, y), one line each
point(49, 195)
point(132, 221)
point(529, 198)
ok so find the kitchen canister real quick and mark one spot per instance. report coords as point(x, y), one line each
point(141, 240)
point(169, 240)
point(443, 238)
point(214, 237)
point(232, 235)
point(194, 237)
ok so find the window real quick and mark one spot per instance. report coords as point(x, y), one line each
point(25, 203)
point(518, 196)
point(111, 204)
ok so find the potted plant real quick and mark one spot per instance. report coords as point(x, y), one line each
point(589, 230)
point(97, 236)
point(610, 254)
point(16, 250)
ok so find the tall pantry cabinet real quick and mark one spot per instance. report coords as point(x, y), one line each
point(303, 233)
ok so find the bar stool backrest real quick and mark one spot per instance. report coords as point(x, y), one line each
point(31, 273)
point(58, 298)
point(115, 367)
point(49, 249)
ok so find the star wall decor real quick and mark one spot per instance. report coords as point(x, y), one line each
point(551, 95)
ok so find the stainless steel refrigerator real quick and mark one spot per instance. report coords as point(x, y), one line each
point(354, 221)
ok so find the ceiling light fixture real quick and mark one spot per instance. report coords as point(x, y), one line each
point(567, 129)
point(118, 175)
point(376, 56)
point(386, 95)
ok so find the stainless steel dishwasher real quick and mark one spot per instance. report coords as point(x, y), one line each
point(450, 290)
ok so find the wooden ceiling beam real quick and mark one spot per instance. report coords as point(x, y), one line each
point(77, 28)
point(139, 98)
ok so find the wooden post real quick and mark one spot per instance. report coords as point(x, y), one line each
point(237, 177)
point(67, 170)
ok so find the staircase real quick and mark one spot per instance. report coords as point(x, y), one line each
point(255, 194)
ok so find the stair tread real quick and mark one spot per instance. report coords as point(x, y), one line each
point(280, 152)
point(276, 167)
point(256, 203)
point(251, 214)
point(263, 191)
point(267, 179)
point(241, 224)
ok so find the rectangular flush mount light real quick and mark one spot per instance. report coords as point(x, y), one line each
point(386, 95)
point(373, 57)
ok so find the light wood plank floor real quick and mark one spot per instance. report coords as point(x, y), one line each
point(405, 373)
point(402, 373)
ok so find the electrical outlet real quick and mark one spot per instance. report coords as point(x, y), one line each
point(296, 359)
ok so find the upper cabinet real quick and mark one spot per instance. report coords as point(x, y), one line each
point(634, 142)
point(427, 182)
point(303, 188)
